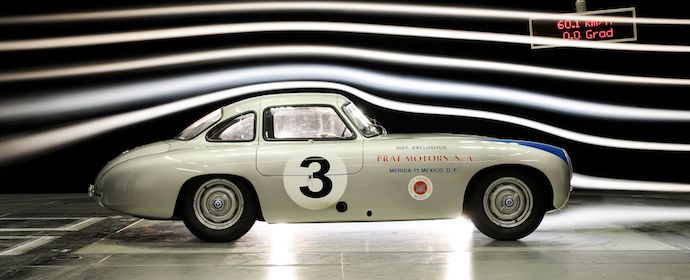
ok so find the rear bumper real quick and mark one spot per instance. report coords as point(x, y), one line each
point(92, 191)
point(95, 194)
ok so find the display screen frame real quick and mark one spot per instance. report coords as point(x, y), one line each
point(581, 23)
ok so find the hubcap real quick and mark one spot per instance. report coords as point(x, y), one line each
point(508, 202)
point(218, 204)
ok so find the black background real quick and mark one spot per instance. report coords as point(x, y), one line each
point(72, 168)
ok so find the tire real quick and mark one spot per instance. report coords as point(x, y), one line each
point(219, 210)
point(518, 193)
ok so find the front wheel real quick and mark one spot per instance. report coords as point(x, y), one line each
point(507, 204)
point(218, 210)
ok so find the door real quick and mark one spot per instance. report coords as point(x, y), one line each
point(312, 148)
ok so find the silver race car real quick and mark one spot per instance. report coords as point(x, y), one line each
point(315, 157)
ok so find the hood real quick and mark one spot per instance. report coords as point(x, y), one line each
point(557, 151)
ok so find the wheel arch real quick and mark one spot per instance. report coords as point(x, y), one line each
point(202, 178)
point(547, 188)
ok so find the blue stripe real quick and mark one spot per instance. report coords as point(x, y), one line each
point(544, 147)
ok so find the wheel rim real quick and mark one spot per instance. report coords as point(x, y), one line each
point(218, 204)
point(508, 202)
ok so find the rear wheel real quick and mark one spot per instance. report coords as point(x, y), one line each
point(507, 204)
point(219, 210)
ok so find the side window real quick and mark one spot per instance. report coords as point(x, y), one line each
point(237, 129)
point(305, 122)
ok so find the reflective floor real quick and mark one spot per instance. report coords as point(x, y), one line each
point(599, 235)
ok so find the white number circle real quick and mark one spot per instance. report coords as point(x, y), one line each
point(315, 181)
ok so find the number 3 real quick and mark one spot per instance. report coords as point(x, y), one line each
point(321, 175)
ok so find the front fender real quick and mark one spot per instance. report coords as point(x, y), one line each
point(551, 161)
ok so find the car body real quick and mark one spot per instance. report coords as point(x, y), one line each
point(314, 157)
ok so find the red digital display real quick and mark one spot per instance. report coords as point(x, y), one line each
point(589, 30)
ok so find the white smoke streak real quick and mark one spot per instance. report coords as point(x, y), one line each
point(282, 51)
point(318, 26)
point(316, 6)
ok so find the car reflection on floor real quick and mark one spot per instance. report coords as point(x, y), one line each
point(598, 235)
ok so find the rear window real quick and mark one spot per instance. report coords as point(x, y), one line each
point(237, 129)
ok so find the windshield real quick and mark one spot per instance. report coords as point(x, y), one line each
point(200, 125)
point(363, 123)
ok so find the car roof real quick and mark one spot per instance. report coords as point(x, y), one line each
point(251, 103)
point(300, 98)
